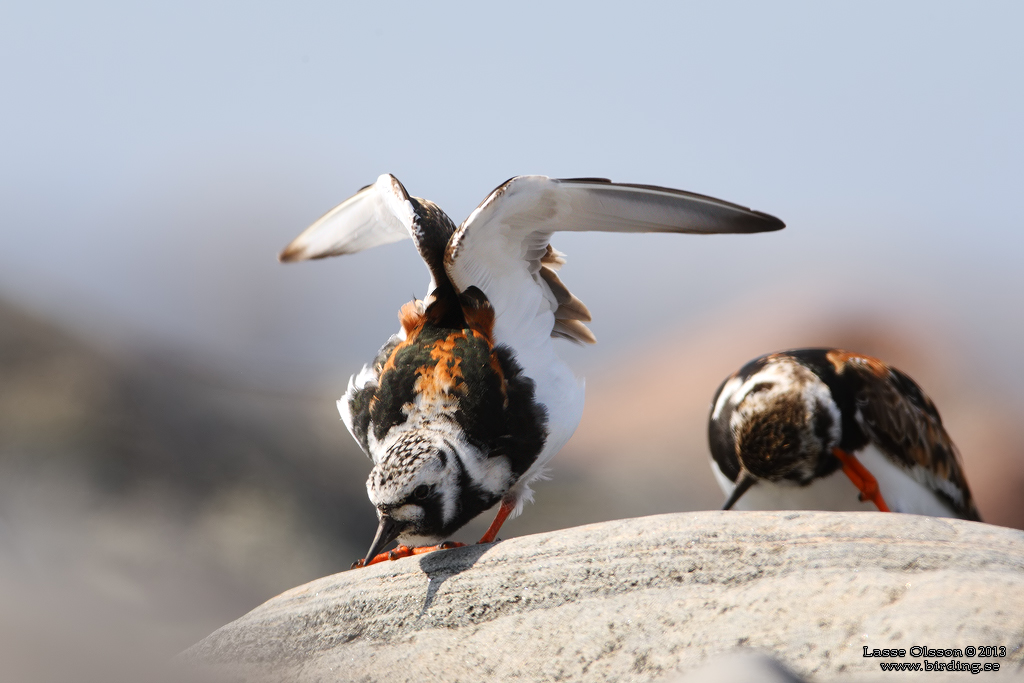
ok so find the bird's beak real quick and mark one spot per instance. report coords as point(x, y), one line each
point(743, 482)
point(387, 531)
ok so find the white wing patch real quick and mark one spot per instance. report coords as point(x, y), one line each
point(378, 214)
point(356, 383)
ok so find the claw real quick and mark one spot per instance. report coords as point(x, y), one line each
point(448, 545)
point(399, 552)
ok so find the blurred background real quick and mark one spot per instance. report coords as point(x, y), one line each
point(170, 453)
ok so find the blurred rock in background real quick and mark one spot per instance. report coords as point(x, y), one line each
point(152, 502)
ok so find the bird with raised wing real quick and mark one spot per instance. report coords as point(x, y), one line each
point(827, 429)
point(466, 404)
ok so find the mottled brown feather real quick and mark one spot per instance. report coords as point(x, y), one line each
point(569, 307)
point(479, 318)
point(571, 312)
point(573, 330)
point(411, 316)
point(904, 423)
point(552, 258)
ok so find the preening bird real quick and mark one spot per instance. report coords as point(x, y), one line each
point(464, 406)
point(826, 429)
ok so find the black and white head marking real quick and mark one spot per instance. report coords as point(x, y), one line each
point(433, 484)
point(416, 483)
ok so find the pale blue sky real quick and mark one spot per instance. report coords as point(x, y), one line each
point(155, 159)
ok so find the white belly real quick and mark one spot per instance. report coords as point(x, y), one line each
point(561, 393)
point(901, 491)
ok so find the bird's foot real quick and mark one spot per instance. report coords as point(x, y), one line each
point(422, 550)
point(405, 551)
point(862, 479)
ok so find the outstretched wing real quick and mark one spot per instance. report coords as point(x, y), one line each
point(905, 425)
point(380, 213)
point(503, 249)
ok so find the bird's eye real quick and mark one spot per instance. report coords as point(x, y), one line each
point(420, 492)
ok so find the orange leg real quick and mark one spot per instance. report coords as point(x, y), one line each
point(507, 506)
point(861, 478)
point(405, 551)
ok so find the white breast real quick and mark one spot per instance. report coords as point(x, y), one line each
point(561, 393)
point(901, 491)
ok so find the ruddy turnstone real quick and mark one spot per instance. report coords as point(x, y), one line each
point(826, 429)
point(467, 403)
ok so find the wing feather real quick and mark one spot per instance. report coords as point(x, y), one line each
point(574, 331)
point(904, 423)
point(569, 307)
point(503, 249)
point(503, 246)
point(378, 214)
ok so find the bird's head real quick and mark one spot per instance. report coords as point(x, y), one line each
point(783, 421)
point(422, 490)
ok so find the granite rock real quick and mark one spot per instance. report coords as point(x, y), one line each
point(649, 599)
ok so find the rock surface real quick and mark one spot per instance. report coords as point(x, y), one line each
point(646, 599)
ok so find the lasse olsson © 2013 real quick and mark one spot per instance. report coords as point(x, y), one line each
point(925, 651)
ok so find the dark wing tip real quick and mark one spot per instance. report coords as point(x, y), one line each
point(746, 221)
point(749, 221)
point(768, 222)
point(290, 254)
point(293, 254)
